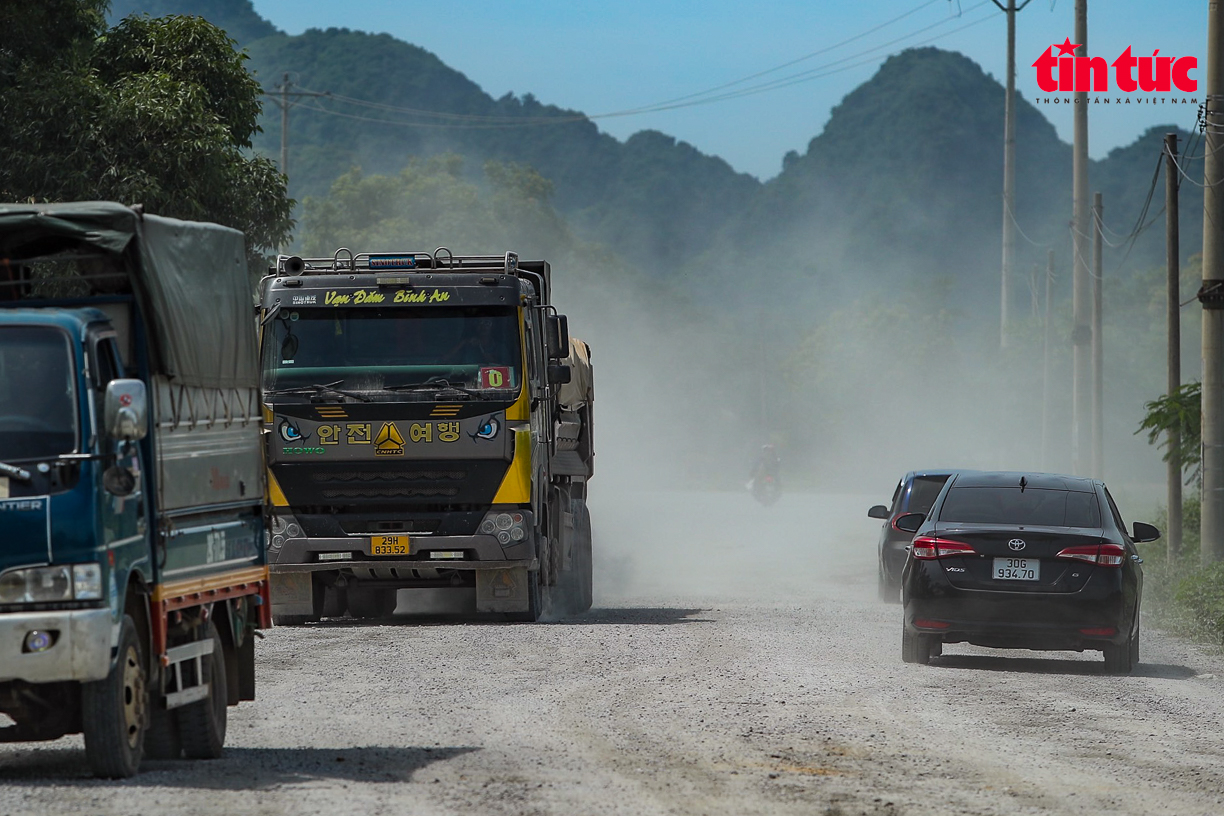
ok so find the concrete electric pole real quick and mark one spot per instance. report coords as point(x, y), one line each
point(1009, 167)
point(1098, 352)
point(1211, 295)
point(1173, 535)
point(1045, 366)
point(1081, 304)
point(284, 102)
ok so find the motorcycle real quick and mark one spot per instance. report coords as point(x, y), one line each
point(766, 489)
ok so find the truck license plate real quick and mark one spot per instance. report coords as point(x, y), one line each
point(1017, 569)
point(389, 545)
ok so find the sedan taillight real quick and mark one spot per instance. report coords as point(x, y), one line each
point(1107, 555)
point(927, 548)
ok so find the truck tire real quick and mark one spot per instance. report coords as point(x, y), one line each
point(115, 710)
point(369, 603)
point(202, 723)
point(582, 562)
point(162, 739)
point(535, 605)
point(334, 601)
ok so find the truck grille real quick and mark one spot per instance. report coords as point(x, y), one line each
point(407, 483)
point(367, 476)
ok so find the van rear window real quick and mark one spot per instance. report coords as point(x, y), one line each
point(1010, 505)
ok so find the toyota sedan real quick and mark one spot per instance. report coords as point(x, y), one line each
point(1023, 561)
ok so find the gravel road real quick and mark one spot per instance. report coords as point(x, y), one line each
point(736, 662)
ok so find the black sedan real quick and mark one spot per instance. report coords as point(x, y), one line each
point(1023, 561)
point(915, 493)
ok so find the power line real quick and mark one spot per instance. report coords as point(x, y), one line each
point(479, 122)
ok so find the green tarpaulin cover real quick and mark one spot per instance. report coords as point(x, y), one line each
point(191, 278)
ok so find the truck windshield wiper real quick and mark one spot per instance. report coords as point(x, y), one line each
point(14, 472)
point(443, 387)
point(316, 389)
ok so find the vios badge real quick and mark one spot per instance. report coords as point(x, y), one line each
point(289, 432)
point(1016, 544)
point(488, 428)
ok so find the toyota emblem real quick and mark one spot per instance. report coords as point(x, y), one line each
point(1016, 544)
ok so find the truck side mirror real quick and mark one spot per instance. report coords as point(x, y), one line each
point(558, 337)
point(559, 374)
point(126, 411)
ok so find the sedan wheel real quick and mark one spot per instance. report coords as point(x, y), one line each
point(915, 648)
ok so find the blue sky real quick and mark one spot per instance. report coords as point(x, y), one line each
point(601, 57)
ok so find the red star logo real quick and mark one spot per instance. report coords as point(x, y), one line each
point(1066, 47)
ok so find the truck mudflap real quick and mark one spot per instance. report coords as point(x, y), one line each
point(80, 645)
point(503, 590)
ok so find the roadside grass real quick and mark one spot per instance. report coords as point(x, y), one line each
point(1183, 596)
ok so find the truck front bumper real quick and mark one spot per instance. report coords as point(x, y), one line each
point(81, 649)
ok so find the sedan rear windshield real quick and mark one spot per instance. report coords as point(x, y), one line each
point(923, 493)
point(1011, 505)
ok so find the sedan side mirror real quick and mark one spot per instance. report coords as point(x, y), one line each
point(878, 512)
point(910, 522)
point(1144, 532)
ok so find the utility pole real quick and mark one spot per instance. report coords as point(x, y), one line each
point(1009, 167)
point(1098, 357)
point(284, 106)
point(1081, 334)
point(1173, 535)
point(1211, 295)
point(1045, 367)
point(284, 103)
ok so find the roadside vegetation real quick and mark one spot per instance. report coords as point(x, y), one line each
point(1185, 596)
point(154, 111)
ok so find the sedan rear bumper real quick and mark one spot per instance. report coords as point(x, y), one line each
point(1035, 621)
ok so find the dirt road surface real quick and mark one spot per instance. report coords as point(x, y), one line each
point(737, 662)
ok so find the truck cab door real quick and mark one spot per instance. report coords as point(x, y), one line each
point(122, 516)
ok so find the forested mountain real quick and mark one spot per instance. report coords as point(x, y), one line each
point(901, 186)
point(904, 185)
point(649, 198)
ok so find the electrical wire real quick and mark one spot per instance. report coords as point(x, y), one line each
point(1011, 216)
point(487, 121)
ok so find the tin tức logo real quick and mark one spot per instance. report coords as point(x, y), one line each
point(1066, 72)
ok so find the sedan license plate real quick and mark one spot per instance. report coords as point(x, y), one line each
point(1017, 569)
point(390, 545)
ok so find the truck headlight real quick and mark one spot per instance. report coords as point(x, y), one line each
point(506, 527)
point(87, 582)
point(82, 582)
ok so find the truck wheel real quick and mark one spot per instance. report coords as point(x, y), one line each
point(202, 723)
point(583, 565)
point(162, 738)
point(535, 605)
point(115, 711)
point(334, 602)
point(366, 602)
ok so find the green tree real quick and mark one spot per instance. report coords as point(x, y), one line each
point(1182, 409)
point(431, 203)
point(153, 111)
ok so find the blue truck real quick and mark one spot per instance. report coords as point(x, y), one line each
point(133, 574)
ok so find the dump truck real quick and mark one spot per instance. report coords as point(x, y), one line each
point(133, 570)
point(429, 425)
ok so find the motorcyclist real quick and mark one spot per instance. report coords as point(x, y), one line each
point(766, 466)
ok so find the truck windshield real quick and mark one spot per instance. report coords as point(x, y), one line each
point(37, 394)
point(371, 349)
